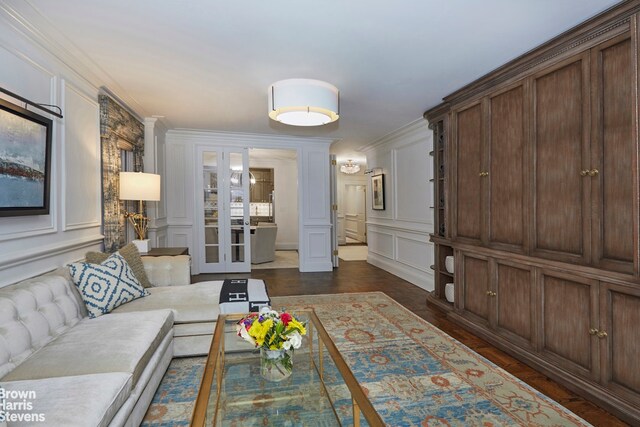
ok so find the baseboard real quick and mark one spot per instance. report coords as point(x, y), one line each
point(286, 246)
point(419, 278)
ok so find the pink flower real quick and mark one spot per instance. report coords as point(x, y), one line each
point(285, 318)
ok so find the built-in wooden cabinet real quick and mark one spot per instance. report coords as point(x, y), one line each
point(613, 175)
point(542, 202)
point(498, 294)
point(569, 317)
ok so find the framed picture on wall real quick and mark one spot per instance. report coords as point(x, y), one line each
point(377, 192)
point(25, 161)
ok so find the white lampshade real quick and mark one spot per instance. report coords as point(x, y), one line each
point(139, 186)
point(304, 102)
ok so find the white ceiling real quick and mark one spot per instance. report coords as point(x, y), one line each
point(207, 64)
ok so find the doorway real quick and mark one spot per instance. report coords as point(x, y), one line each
point(274, 203)
point(223, 210)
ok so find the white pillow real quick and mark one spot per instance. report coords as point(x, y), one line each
point(106, 286)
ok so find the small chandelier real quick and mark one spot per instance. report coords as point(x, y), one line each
point(304, 102)
point(350, 167)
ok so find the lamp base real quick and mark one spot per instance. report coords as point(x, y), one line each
point(142, 245)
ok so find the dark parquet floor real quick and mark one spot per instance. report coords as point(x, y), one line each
point(359, 276)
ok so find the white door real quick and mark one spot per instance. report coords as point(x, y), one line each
point(333, 173)
point(223, 210)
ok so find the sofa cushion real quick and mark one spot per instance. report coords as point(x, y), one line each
point(106, 286)
point(85, 400)
point(172, 270)
point(111, 343)
point(33, 312)
point(131, 255)
point(190, 303)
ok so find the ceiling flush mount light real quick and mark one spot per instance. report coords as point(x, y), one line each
point(304, 102)
point(350, 167)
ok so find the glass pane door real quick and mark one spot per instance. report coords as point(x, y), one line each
point(238, 170)
point(211, 208)
point(223, 210)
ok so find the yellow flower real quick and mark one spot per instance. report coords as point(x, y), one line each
point(259, 330)
point(294, 324)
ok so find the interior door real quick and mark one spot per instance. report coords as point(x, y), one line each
point(223, 210)
point(334, 209)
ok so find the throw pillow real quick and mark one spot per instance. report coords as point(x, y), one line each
point(107, 285)
point(131, 255)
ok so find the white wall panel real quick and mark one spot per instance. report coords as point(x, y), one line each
point(32, 245)
point(412, 252)
point(398, 236)
point(411, 181)
point(179, 195)
point(27, 77)
point(316, 171)
point(81, 170)
point(381, 243)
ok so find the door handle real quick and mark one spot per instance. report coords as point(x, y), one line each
point(246, 223)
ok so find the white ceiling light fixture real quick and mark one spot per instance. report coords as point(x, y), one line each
point(350, 167)
point(304, 102)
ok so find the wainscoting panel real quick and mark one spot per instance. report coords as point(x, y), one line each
point(381, 243)
point(81, 195)
point(317, 245)
point(176, 180)
point(413, 252)
point(411, 173)
point(27, 77)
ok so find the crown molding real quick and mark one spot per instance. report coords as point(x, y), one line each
point(410, 130)
point(28, 22)
point(236, 138)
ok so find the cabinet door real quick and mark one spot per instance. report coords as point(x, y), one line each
point(468, 197)
point(620, 318)
point(475, 287)
point(613, 155)
point(515, 303)
point(569, 312)
point(507, 172)
point(561, 152)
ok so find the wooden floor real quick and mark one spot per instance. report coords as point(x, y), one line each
point(359, 276)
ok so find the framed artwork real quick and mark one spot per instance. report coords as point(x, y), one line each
point(25, 161)
point(377, 192)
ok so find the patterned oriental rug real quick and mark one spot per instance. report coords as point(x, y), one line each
point(413, 373)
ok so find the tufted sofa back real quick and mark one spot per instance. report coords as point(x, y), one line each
point(34, 312)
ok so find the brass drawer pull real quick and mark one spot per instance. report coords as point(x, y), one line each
point(584, 172)
point(594, 172)
point(593, 331)
point(602, 334)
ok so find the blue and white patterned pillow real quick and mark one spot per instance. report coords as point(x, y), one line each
point(106, 286)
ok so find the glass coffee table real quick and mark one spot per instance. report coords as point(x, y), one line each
point(321, 391)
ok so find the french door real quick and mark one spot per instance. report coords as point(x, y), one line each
point(223, 210)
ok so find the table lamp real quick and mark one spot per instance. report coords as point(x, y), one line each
point(139, 186)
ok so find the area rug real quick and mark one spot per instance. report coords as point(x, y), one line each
point(353, 252)
point(284, 259)
point(413, 373)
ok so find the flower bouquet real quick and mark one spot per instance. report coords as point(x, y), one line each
point(277, 335)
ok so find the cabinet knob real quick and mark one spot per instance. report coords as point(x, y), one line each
point(481, 174)
point(489, 293)
point(584, 172)
point(594, 172)
point(593, 331)
point(601, 334)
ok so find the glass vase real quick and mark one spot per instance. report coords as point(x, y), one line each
point(275, 365)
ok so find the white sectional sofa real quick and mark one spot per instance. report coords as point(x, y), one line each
point(79, 371)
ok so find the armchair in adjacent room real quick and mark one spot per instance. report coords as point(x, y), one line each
point(263, 243)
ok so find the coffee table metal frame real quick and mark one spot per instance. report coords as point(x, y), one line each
point(215, 367)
